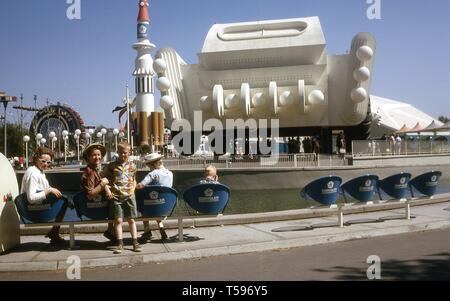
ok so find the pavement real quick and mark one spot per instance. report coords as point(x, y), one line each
point(225, 235)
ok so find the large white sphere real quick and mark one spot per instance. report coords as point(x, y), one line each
point(26, 138)
point(163, 84)
point(362, 74)
point(43, 141)
point(231, 101)
point(205, 103)
point(87, 135)
point(75, 136)
point(91, 131)
point(166, 102)
point(99, 134)
point(286, 99)
point(39, 136)
point(65, 133)
point(115, 131)
point(77, 132)
point(364, 53)
point(52, 134)
point(104, 131)
point(316, 97)
point(159, 65)
point(259, 100)
point(358, 94)
point(54, 139)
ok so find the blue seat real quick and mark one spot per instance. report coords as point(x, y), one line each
point(156, 201)
point(207, 198)
point(426, 183)
point(38, 213)
point(362, 189)
point(395, 186)
point(324, 190)
point(92, 209)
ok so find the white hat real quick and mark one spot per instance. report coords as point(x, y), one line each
point(152, 157)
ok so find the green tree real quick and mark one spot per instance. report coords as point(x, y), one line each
point(15, 144)
point(443, 119)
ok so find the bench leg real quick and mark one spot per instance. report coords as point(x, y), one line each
point(72, 236)
point(180, 229)
point(407, 210)
point(340, 217)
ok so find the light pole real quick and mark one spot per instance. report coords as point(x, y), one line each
point(54, 139)
point(6, 100)
point(88, 138)
point(38, 139)
point(65, 135)
point(115, 132)
point(121, 135)
point(103, 131)
point(91, 133)
point(26, 139)
point(43, 141)
point(77, 138)
point(52, 135)
point(99, 136)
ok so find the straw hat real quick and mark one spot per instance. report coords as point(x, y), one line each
point(88, 149)
point(152, 157)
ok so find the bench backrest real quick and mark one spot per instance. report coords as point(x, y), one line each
point(362, 188)
point(396, 186)
point(92, 209)
point(207, 198)
point(154, 201)
point(426, 183)
point(324, 190)
point(38, 213)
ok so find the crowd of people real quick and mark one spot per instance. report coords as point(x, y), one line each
point(306, 145)
point(116, 182)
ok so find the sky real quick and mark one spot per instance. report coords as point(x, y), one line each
point(86, 63)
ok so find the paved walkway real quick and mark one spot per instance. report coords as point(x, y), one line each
point(36, 254)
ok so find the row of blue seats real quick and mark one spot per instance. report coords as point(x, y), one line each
point(327, 190)
point(152, 202)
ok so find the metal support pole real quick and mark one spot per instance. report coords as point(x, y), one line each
point(340, 217)
point(407, 210)
point(180, 229)
point(26, 154)
point(5, 104)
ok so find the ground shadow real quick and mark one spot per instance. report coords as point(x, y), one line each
point(174, 239)
point(428, 268)
point(47, 247)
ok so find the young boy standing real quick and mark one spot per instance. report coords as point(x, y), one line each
point(122, 176)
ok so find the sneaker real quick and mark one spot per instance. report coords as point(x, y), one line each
point(137, 247)
point(163, 234)
point(55, 238)
point(118, 249)
point(109, 235)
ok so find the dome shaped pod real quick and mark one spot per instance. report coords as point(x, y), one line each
point(259, 100)
point(358, 95)
point(231, 101)
point(286, 99)
point(205, 103)
point(166, 102)
point(163, 84)
point(364, 53)
point(362, 74)
point(316, 97)
point(159, 65)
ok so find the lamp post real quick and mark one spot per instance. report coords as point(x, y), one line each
point(65, 135)
point(99, 136)
point(6, 99)
point(88, 138)
point(38, 139)
point(43, 141)
point(26, 139)
point(121, 135)
point(52, 135)
point(53, 141)
point(91, 133)
point(104, 131)
point(115, 132)
point(77, 138)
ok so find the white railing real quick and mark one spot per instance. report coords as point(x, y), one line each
point(364, 148)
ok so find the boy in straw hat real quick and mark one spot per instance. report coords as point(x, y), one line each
point(158, 175)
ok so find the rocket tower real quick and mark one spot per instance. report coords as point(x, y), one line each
point(143, 73)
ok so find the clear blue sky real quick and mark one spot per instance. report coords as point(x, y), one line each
point(87, 62)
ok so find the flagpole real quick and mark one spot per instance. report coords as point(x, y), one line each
point(128, 115)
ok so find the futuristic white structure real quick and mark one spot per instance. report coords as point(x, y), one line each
point(270, 69)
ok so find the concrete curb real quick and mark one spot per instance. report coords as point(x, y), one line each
point(251, 218)
point(220, 251)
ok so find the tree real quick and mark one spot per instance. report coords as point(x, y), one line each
point(443, 119)
point(15, 144)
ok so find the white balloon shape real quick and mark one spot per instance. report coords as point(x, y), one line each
point(166, 102)
point(231, 101)
point(362, 74)
point(259, 100)
point(286, 99)
point(205, 103)
point(163, 84)
point(358, 95)
point(316, 97)
point(159, 65)
point(364, 53)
